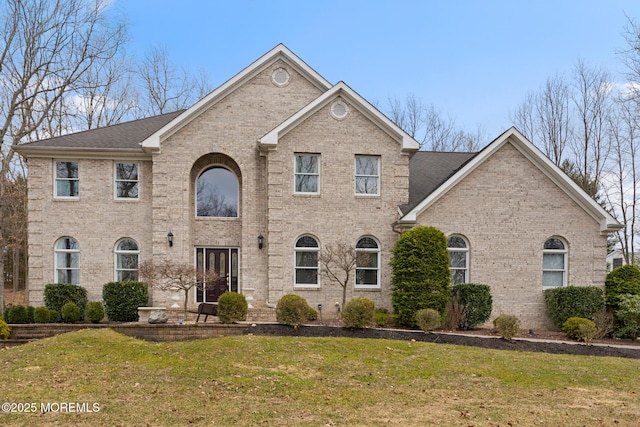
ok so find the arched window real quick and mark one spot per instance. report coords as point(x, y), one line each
point(127, 253)
point(307, 251)
point(458, 259)
point(367, 263)
point(67, 261)
point(554, 263)
point(217, 193)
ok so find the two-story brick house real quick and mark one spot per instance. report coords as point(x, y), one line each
point(277, 163)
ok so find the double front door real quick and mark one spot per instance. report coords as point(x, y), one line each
point(224, 262)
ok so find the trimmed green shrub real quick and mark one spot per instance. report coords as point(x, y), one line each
point(381, 317)
point(58, 294)
point(620, 281)
point(16, 314)
point(122, 299)
point(476, 304)
point(572, 326)
point(94, 312)
point(312, 314)
point(54, 316)
point(292, 310)
point(232, 307)
point(5, 330)
point(428, 319)
point(358, 313)
point(41, 315)
point(507, 326)
point(629, 316)
point(573, 301)
point(30, 311)
point(420, 273)
point(70, 312)
point(588, 332)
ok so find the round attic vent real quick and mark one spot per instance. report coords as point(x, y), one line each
point(280, 77)
point(339, 110)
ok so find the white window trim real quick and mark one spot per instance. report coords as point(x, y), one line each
point(297, 249)
point(318, 174)
point(117, 252)
point(368, 250)
point(467, 252)
point(57, 251)
point(356, 175)
point(565, 270)
point(116, 180)
point(55, 179)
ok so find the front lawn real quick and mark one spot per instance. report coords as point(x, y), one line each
point(251, 380)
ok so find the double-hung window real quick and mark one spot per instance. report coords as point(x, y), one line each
point(307, 251)
point(554, 263)
point(307, 173)
point(67, 261)
point(126, 254)
point(368, 175)
point(126, 181)
point(67, 179)
point(367, 263)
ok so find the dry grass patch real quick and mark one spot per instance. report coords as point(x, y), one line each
point(252, 380)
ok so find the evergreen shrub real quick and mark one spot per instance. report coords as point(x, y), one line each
point(232, 307)
point(58, 294)
point(94, 312)
point(358, 313)
point(507, 326)
point(41, 315)
point(122, 299)
point(573, 301)
point(70, 312)
point(572, 326)
point(292, 310)
point(629, 316)
point(428, 319)
point(5, 330)
point(620, 281)
point(16, 314)
point(420, 273)
point(476, 304)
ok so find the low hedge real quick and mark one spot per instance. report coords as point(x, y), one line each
point(573, 301)
point(58, 294)
point(358, 313)
point(122, 299)
point(476, 304)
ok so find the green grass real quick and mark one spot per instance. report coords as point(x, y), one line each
point(251, 380)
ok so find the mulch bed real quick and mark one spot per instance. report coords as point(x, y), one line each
point(482, 341)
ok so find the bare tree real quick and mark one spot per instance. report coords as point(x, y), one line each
point(164, 86)
point(337, 262)
point(591, 98)
point(172, 276)
point(428, 126)
point(46, 47)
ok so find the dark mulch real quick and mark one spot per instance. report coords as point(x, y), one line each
point(448, 338)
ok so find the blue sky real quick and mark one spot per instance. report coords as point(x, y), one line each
point(474, 60)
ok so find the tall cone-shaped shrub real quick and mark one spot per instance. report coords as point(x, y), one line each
point(420, 273)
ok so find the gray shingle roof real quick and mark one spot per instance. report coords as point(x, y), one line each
point(123, 136)
point(430, 169)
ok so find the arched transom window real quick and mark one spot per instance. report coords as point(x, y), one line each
point(307, 251)
point(217, 193)
point(458, 259)
point(67, 261)
point(367, 263)
point(127, 253)
point(554, 263)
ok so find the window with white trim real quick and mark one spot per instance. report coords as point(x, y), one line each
point(67, 179)
point(126, 181)
point(367, 263)
point(217, 193)
point(458, 259)
point(554, 263)
point(307, 173)
point(367, 175)
point(126, 260)
point(307, 252)
point(67, 261)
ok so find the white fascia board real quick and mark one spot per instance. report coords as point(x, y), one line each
point(84, 153)
point(340, 89)
point(152, 143)
point(607, 222)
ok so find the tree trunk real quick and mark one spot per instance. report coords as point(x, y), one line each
point(2, 251)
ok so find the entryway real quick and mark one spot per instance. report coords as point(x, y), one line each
point(224, 261)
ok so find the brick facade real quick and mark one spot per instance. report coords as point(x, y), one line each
point(506, 208)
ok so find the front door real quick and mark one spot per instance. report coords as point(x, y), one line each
point(224, 261)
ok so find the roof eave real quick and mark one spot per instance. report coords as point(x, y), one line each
point(82, 152)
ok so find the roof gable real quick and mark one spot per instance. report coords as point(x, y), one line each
point(607, 222)
point(270, 140)
point(280, 52)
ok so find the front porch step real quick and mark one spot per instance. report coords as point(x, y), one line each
point(261, 315)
